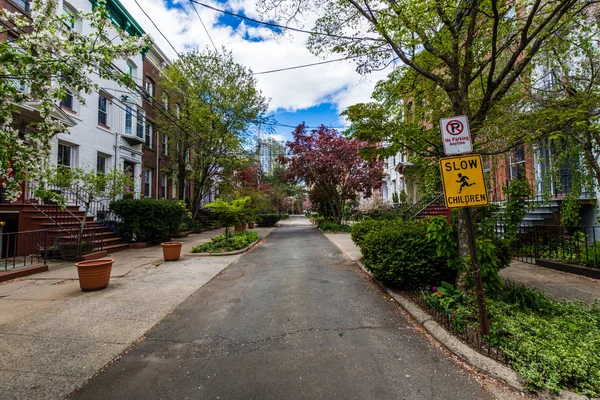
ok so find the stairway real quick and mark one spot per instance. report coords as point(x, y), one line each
point(430, 206)
point(63, 226)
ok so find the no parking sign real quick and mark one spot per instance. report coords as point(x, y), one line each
point(456, 135)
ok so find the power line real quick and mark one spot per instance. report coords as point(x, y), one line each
point(304, 65)
point(155, 26)
point(204, 26)
point(274, 25)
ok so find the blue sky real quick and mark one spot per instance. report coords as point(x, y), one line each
point(314, 95)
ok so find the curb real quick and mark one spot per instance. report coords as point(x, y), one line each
point(227, 253)
point(475, 359)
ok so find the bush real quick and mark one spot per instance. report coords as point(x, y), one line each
point(147, 220)
point(267, 219)
point(402, 254)
point(284, 215)
point(360, 229)
point(223, 243)
point(330, 226)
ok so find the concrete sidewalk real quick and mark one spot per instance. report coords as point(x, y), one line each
point(558, 285)
point(53, 336)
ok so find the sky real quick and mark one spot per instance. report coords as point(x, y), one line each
point(315, 95)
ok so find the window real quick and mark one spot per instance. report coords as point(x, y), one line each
point(24, 4)
point(148, 182)
point(64, 155)
point(165, 100)
point(140, 124)
point(163, 186)
point(69, 18)
point(102, 110)
point(101, 164)
point(128, 120)
point(164, 145)
point(67, 101)
point(148, 135)
point(517, 163)
point(131, 69)
point(177, 110)
point(149, 87)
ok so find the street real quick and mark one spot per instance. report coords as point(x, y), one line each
point(292, 319)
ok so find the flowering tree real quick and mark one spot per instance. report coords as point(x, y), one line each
point(332, 168)
point(50, 59)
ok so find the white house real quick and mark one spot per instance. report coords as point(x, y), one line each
point(110, 125)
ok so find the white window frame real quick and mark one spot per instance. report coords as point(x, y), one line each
point(148, 182)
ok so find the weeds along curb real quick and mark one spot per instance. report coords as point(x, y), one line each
point(478, 361)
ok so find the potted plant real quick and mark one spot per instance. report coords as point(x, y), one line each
point(94, 274)
point(171, 250)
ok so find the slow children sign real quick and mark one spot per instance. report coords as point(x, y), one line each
point(463, 180)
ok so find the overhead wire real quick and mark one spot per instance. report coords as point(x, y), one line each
point(275, 25)
point(204, 26)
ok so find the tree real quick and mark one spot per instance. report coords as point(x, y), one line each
point(218, 101)
point(51, 60)
point(473, 52)
point(332, 167)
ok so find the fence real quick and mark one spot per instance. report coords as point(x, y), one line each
point(470, 336)
point(22, 249)
point(571, 244)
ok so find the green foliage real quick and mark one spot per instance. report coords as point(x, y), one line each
point(147, 220)
point(400, 253)
point(555, 348)
point(570, 209)
point(223, 243)
point(446, 240)
point(516, 208)
point(229, 213)
point(330, 226)
point(395, 198)
point(362, 228)
point(267, 219)
point(525, 298)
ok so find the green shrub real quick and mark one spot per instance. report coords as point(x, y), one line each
point(360, 229)
point(284, 215)
point(525, 298)
point(402, 254)
point(223, 243)
point(147, 220)
point(330, 226)
point(267, 219)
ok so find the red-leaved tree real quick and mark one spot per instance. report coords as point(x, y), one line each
point(332, 168)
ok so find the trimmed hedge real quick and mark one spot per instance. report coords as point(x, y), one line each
point(147, 220)
point(267, 219)
point(401, 254)
point(330, 226)
point(360, 229)
point(223, 243)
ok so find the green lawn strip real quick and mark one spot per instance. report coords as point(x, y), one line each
point(225, 243)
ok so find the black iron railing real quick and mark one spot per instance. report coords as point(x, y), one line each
point(469, 335)
point(23, 249)
point(577, 245)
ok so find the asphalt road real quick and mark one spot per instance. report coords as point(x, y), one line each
point(292, 319)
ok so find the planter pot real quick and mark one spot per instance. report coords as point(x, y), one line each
point(171, 250)
point(240, 228)
point(94, 274)
point(251, 225)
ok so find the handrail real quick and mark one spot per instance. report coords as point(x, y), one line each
point(419, 205)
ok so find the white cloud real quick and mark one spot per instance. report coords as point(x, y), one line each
point(289, 90)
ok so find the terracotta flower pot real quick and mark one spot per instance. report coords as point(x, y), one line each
point(251, 225)
point(171, 250)
point(94, 274)
point(240, 228)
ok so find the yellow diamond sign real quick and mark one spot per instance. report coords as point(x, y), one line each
point(464, 182)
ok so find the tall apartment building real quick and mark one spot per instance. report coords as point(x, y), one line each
point(269, 151)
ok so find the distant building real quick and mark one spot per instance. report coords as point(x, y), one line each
point(269, 151)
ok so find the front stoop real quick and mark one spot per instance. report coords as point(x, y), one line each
point(21, 272)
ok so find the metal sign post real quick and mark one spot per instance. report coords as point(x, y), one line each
point(464, 187)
